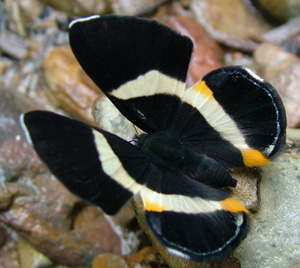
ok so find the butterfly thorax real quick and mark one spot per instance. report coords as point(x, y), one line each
point(162, 146)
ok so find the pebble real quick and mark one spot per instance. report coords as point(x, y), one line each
point(281, 69)
point(230, 22)
point(207, 54)
point(81, 8)
point(68, 86)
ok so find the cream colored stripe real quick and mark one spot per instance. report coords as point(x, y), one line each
point(216, 117)
point(158, 202)
point(27, 134)
point(112, 165)
point(148, 84)
point(83, 20)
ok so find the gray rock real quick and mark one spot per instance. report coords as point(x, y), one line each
point(274, 239)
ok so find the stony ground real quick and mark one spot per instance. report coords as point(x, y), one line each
point(42, 224)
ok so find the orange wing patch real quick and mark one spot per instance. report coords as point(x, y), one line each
point(254, 158)
point(232, 205)
point(203, 89)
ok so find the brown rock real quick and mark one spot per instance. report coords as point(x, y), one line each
point(230, 22)
point(69, 87)
point(145, 258)
point(49, 217)
point(246, 189)
point(109, 261)
point(207, 55)
point(282, 70)
point(3, 236)
point(80, 8)
point(281, 11)
point(29, 257)
point(8, 250)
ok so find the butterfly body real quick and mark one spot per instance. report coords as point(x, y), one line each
point(178, 166)
point(164, 145)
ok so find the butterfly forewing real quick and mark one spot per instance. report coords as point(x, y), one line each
point(139, 64)
point(97, 166)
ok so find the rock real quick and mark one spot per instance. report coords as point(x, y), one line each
point(8, 249)
point(282, 70)
point(246, 189)
point(108, 117)
point(279, 11)
point(5, 63)
point(230, 22)
point(68, 85)
point(9, 115)
point(29, 257)
point(145, 258)
point(21, 14)
point(50, 218)
point(274, 236)
point(13, 45)
point(3, 236)
point(109, 261)
point(134, 8)
point(293, 140)
point(282, 33)
point(80, 8)
point(207, 55)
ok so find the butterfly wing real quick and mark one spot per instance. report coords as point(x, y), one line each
point(139, 64)
point(192, 220)
point(233, 116)
point(98, 166)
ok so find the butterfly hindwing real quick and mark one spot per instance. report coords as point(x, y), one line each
point(139, 64)
point(192, 220)
point(235, 117)
point(96, 165)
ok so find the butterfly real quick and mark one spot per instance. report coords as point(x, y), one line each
point(179, 164)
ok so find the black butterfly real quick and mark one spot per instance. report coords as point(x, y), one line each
point(231, 118)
